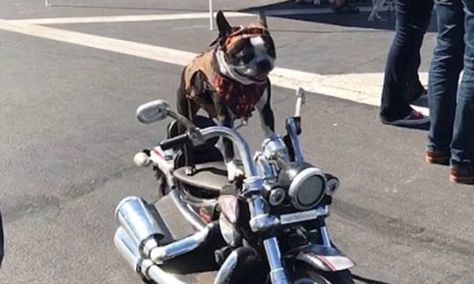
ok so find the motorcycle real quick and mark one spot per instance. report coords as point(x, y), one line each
point(268, 227)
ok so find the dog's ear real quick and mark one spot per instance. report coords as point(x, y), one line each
point(222, 24)
point(262, 18)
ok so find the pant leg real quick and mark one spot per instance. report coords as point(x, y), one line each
point(462, 146)
point(413, 17)
point(446, 65)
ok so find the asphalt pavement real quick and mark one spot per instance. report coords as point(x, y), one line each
point(68, 134)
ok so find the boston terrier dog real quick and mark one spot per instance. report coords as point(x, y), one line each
point(229, 81)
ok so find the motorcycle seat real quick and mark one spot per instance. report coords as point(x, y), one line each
point(210, 176)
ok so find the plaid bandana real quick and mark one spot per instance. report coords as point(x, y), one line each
point(240, 99)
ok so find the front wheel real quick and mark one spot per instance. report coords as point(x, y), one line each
point(305, 274)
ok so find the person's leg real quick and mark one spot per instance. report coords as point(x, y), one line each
point(443, 78)
point(462, 146)
point(415, 88)
point(412, 20)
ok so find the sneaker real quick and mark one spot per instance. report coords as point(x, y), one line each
point(415, 118)
point(437, 157)
point(463, 174)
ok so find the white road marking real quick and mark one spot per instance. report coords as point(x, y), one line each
point(148, 51)
point(126, 18)
point(362, 88)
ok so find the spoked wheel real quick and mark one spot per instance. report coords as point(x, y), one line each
point(305, 274)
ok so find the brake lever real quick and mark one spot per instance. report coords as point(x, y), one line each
point(300, 100)
point(193, 132)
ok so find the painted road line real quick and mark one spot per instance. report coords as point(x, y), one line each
point(127, 18)
point(358, 87)
point(169, 17)
point(147, 51)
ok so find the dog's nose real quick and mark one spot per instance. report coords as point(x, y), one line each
point(264, 66)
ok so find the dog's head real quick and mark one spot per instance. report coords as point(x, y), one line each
point(245, 53)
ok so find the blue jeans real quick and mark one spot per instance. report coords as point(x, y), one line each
point(452, 108)
point(401, 70)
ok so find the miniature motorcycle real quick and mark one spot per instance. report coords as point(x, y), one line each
point(268, 227)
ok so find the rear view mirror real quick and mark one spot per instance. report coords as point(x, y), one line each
point(153, 111)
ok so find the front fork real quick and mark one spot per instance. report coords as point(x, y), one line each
point(323, 233)
point(272, 249)
point(258, 210)
point(277, 272)
point(260, 221)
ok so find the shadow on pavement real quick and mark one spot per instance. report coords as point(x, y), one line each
point(367, 280)
point(358, 20)
point(424, 126)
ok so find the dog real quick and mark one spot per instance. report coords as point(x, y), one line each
point(229, 81)
point(377, 5)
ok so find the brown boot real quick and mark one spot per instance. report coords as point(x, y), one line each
point(437, 157)
point(462, 174)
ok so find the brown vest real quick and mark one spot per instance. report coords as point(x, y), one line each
point(240, 99)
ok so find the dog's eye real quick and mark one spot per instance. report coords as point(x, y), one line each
point(246, 55)
point(242, 53)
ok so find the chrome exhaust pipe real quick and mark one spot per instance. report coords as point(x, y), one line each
point(145, 267)
point(135, 217)
point(162, 253)
point(139, 224)
point(128, 249)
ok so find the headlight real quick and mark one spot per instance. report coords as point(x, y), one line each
point(306, 185)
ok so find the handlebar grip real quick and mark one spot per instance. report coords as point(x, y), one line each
point(174, 141)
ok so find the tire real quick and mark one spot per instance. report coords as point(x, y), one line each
point(305, 274)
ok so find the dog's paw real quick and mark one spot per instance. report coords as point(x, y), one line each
point(190, 171)
point(234, 172)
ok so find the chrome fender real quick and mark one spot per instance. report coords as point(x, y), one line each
point(324, 258)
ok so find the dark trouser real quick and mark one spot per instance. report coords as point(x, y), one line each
point(452, 109)
point(401, 71)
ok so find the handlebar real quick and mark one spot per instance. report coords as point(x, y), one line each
point(242, 146)
point(217, 131)
point(174, 141)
